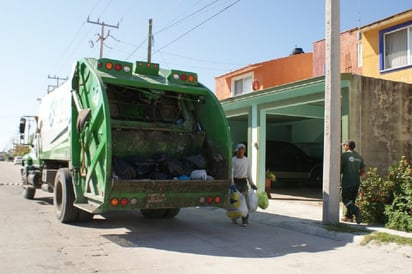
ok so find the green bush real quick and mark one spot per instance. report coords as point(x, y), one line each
point(374, 195)
point(399, 212)
point(388, 201)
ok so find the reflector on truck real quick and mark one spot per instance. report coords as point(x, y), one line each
point(114, 66)
point(182, 77)
point(146, 68)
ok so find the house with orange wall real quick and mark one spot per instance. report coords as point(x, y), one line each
point(266, 74)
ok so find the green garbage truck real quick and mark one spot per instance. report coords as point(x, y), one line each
point(129, 136)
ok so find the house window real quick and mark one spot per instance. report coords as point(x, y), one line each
point(242, 84)
point(359, 54)
point(397, 47)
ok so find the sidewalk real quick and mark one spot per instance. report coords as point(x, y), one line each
point(304, 215)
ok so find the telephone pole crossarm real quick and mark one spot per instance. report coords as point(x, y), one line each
point(101, 36)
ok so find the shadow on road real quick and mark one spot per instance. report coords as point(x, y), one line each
point(207, 231)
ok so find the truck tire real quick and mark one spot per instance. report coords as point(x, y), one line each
point(172, 212)
point(29, 192)
point(160, 213)
point(63, 197)
point(84, 216)
point(153, 213)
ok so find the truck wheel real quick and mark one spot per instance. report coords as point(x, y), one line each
point(171, 212)
point(84, 216)
point(63, 197)
point(153, 213)
point(29, 192)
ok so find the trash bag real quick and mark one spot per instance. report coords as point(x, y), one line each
point(234, 197)
point(198, 160)
point(263, 200)
point(123, 169)
point(253, 200)
point(141, 166)
point(243, 206)
point(237, 204)
point(175, 167)
point(198, 174)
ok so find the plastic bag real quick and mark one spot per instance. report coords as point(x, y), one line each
point(237, 204)
point(263, 200)
point(198, 174)
point(234, 197)
point(243, 206)
point(253, 200)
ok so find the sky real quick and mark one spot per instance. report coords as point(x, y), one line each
point(41, 40)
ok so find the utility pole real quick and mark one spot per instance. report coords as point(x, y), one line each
point(102, 38)
point(149, 44)
point(50, 88)
point(332, 128)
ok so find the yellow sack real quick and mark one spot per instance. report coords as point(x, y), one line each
point(233, 213)
point(234, 199)
point(237, 204)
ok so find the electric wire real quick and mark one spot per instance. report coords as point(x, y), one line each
point(197, 26)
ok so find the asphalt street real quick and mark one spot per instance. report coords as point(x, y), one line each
point(287, 237)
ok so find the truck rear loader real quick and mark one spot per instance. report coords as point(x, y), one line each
point(123, 136)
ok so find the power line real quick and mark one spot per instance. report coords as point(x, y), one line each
point(198, 25)
point(186, 17)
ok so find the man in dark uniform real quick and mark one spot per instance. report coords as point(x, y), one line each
point(352, 167)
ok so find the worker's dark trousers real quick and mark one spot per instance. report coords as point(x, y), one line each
point(349, 195)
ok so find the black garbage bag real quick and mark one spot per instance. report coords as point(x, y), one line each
point(143, 168)
point(123, 169)
point(199, 161)
point(175, 167)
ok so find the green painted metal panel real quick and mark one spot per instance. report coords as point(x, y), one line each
point(144, 115)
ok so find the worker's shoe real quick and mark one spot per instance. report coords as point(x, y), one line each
point(234, 220)
point(245, 224)
point(346, 219)
point(358, 215)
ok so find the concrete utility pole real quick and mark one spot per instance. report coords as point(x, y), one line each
point(102, 38)
point(332, 128)
point(149, 44)
point(50, 88)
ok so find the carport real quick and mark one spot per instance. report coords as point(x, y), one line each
point(292, 112)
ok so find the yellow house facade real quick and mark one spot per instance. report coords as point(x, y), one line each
point(386, 48)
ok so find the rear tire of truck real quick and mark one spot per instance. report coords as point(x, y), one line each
point(160, 213)
point(84, 216)
point(63, 197)
point(29, 192)
point(153, 213)
point(172, 212)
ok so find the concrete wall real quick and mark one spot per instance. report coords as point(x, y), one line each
point(380, 120)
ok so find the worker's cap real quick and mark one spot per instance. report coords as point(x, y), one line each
point(350, 143)
point(240, 146)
